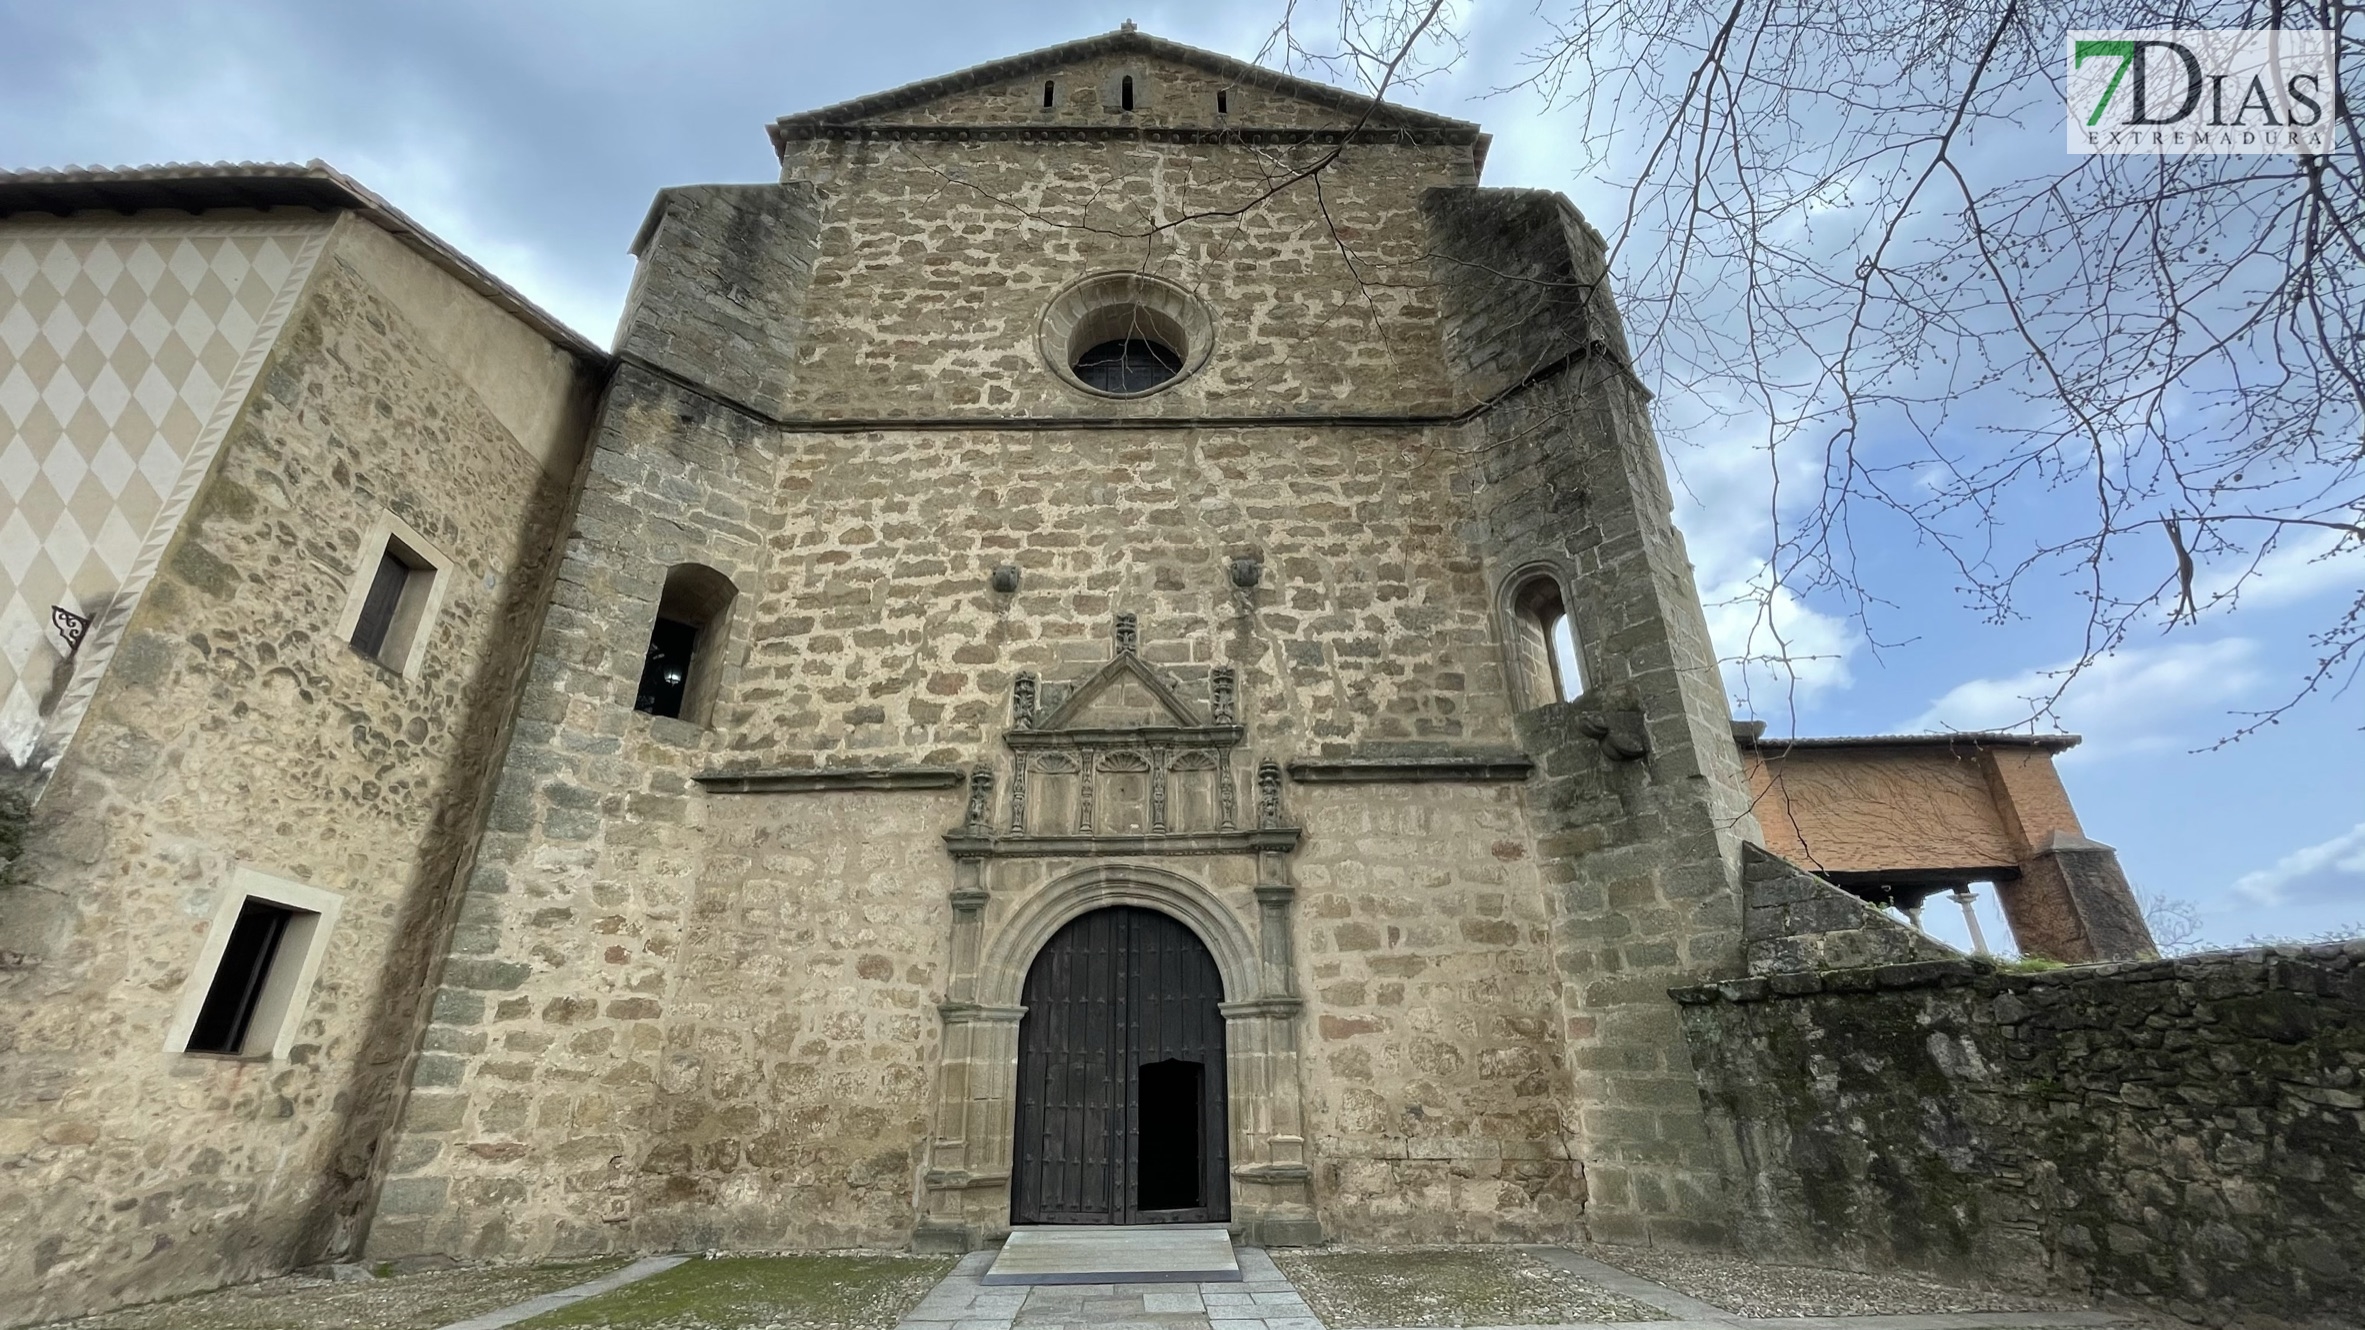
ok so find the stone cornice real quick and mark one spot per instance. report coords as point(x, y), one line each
point(1296, 420)
point(829, 780)
point(970, 845)
point(1121, 133)
point(956, 1013)
point(1152, 736)
point(1459, 768)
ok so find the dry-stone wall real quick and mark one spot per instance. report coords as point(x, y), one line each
point(2190, 1132)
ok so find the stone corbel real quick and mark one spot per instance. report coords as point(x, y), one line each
point(1617, 723)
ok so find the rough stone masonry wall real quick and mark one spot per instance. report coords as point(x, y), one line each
point(937, 259)
point(534, 1097)
point(1797, 923)
point(674, 1017)
point(236, 728)
point(1438, 1091)
point(2190, 1132)
point(1641, 853)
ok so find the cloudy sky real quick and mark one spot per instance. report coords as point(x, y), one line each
point(532, 135)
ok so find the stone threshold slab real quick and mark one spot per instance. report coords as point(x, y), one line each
point(1135, 1254)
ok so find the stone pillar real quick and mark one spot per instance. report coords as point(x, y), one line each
point(2072, 903)
point(965, 1193)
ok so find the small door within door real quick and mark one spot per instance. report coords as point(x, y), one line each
point(1121, 1077)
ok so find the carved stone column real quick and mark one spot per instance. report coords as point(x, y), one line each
point(1272, 1184)
point(968, 1176)
point(1273, 1192)
point(966, 1192)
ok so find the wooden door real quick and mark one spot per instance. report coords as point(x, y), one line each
point(1121, 1077)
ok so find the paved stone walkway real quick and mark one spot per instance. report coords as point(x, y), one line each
point(1266, 1300)
point(1260, 1300)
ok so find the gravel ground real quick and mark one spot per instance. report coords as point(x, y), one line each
point(846, 1292)
point(404, 1302)
point(1448, 1286)
point(1750, 1288)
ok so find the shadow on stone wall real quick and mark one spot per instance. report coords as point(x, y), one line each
point(2188, 1132)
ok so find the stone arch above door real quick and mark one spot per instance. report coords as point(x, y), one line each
point(1002, 971)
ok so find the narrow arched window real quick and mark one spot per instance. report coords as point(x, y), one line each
point(1125, 93)
point(1223, 102)
point(1048, 88)
point(1543, 643)
point(685, 644)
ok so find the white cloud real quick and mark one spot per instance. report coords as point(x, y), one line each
point(2294, 571)
point(1776, 649)
point(2135, 700)
point(2344, 853)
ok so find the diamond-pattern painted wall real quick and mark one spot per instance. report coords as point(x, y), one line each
point(125, 352)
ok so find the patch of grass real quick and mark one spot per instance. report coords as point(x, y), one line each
point(831, 1292)
point(1449, 1286)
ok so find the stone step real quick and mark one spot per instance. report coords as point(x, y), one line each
point(1116, 1254)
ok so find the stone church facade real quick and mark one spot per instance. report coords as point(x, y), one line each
point(677, 782)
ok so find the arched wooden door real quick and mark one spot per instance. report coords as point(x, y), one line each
point(1121, 1077)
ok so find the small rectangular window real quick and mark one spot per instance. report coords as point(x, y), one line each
point(397, 585)
point(1048, 89)
point(224, 1022)
point(379, 606)
point(1223, 102)
point(246, 991)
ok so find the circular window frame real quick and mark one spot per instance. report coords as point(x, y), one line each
point(1085, 310)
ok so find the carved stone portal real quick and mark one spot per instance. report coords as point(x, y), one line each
point(1119, 793)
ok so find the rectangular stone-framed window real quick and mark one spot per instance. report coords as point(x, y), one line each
point(398, 585)
point(245, 995)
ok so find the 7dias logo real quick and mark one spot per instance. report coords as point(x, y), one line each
point(2180, 91)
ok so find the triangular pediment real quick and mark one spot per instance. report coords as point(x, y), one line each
point(1179, 83)
point(1125, 695)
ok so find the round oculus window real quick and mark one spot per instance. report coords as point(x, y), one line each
point(1125, 334)
point(1127, 365)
